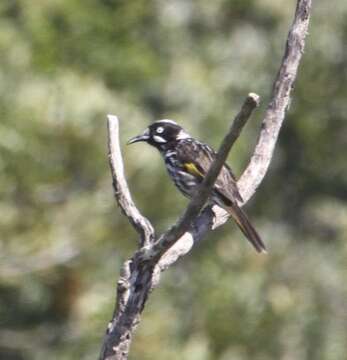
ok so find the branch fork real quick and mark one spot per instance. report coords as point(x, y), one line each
point(140, 274)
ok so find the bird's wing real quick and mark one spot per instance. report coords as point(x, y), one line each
point(196, 159)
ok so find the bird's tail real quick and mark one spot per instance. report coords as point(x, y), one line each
point(246, 227)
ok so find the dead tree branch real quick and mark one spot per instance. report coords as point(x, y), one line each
point(121, 190)
point(141, 273)
point(138, 275)
point(280, 100)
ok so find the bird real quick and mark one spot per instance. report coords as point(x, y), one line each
point(187, 161)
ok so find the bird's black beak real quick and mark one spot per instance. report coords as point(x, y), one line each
point(143, 137)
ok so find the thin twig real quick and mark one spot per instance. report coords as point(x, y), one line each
point(122, 193)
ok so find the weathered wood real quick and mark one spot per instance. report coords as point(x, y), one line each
point(141, 273)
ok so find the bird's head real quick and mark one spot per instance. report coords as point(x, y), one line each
point(162, 134)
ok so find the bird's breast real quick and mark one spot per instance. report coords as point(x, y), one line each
point(184, 181)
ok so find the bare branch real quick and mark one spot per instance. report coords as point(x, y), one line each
point(122, 193)
point(280, 99)
point(142, 272)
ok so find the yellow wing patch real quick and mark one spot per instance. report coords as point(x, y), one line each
point(192, 169)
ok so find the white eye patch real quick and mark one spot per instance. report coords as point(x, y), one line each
point(160, 130)
point(159, 139)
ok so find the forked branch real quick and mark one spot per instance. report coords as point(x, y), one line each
point(142, 272)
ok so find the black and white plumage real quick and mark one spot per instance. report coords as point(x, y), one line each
point(187, 161)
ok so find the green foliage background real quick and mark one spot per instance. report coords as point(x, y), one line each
point(64, 65)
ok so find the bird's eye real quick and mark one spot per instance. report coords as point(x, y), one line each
point(160, 130)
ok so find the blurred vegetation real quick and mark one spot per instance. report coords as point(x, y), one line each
point(65, 64)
